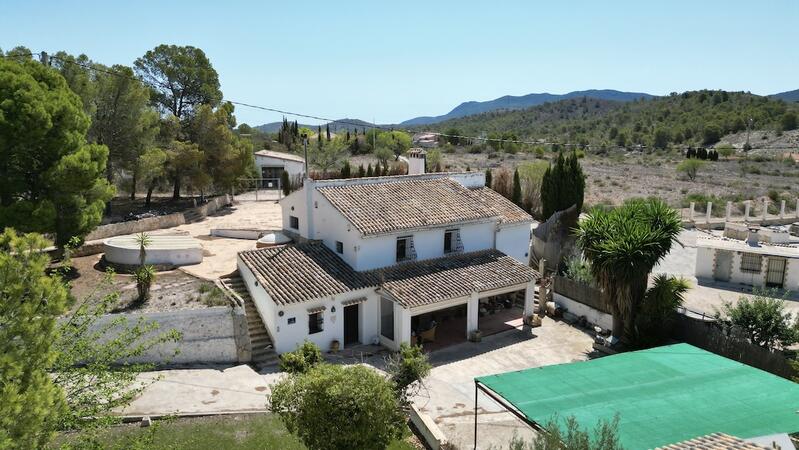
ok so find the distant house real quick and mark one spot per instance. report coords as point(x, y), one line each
point(271, 164)
point(390, 260)
point(755, 256)
point(425, 140)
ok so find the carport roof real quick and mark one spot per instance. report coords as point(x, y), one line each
point(431, 281)
point(662, 395)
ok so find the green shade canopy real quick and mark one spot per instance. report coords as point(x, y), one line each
point(662, 395)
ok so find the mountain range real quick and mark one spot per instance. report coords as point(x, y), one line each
point(505, 103)
point(511, 102)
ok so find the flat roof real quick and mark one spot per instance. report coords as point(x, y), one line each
point(662, 395)
point(157, 242)
point(736, 245)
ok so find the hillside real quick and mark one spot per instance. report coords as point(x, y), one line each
point(789, 96)
point(696, 118)
point(511, 102)
point(340, 124)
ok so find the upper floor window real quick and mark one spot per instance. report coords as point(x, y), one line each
point(450, 241)
point(339, 247)
point(405, 248)
point(294, 222)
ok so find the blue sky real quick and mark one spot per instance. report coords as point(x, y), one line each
point(395, 60)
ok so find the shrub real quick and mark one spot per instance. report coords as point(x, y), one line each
point(653, 322)
point(406, 367)
point(762, 318)
point(304, 358)
point(333, 407)
point(144, 277)
point(690, 168)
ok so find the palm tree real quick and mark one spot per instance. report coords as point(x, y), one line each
point(144, 274)
point(623, 245)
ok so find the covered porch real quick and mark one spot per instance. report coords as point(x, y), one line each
point(442, 302)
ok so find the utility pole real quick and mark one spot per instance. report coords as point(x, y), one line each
point(305, 146)
point(749, 124)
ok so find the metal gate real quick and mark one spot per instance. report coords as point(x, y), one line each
point(258, 189)
point(723, 267)
point(775, 275)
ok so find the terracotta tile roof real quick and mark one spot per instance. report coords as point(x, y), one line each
point(430, 281)
point(302, 272)
point(507, 211)
point(715, 441)
point(280, 155)
point(392, 206)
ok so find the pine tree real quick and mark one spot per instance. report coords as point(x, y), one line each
point(517, 188)
point(369, 172)
point(488, 178)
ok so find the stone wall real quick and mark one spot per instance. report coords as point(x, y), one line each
point(209, 336)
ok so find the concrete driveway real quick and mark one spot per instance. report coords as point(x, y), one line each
point(449, 397)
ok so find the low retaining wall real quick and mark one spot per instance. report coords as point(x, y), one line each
point(592, 316)
point(136, 226)
point(209, 336)
point(581, 299)
point(156, 223)
point(708, 336)
point(433, 436)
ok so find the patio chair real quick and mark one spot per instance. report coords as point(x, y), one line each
point(428, 335)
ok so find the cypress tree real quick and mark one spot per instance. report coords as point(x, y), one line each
point(563, 185)
point(517, 188)
point(361, 171)
point(346, 170)
point(488, 178)
point(369, 172)
point(378, 169)
point(285, 183)
point(327, 131)
point(348, 135)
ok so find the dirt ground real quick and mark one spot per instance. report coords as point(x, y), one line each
point(172, 290)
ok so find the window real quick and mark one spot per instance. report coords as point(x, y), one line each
point(294, 222)
point(450, 241)
point(387, 318)
point(339, 247)
point(751, 263)
point(315, 322)
point(403, 248)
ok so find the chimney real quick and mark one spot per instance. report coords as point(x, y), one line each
point(417, 160)
point(752, 236)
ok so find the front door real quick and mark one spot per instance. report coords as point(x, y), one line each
point(351, 324)
point(721, 272)
point(775, 275)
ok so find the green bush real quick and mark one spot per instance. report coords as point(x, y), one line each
point(304, 358)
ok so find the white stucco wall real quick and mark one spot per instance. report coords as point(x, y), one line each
point(705, 263)
point(592, 315)
point(289, 336)
point(514, 241)
point(294, 205)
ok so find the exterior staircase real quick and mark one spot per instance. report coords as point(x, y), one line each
point(263, 352)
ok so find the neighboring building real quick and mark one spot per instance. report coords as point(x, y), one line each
point(749, 261)
point(425, 140)
point(380, 259)
point(271, 164)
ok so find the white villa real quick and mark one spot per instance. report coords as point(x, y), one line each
point(391, 259)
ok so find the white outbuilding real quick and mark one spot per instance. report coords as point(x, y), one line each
point(271, 164)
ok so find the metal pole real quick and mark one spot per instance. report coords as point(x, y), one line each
point(305, 145)
point(475, 414)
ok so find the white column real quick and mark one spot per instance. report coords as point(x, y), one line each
point(691, 212)
point(404, 334)
point(765, 208)
point(709, 209)
point(728, 212)
point(747, 206)
point(782, 209)
point(472, 316)
point(797, 208)
point(529, 295)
